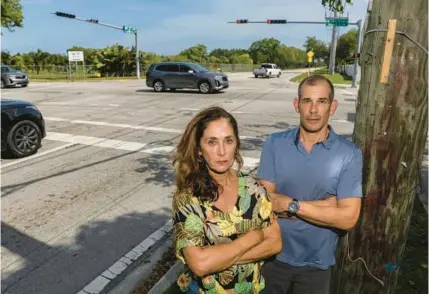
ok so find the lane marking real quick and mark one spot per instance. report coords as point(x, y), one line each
point(190, 109)
point(95, 141)
point(248, 162)
point(76, 104)
point(343, 121)
point(102, 280)
point(106, 124)
point(347, 92)
point(38, 155)
point(134, 127)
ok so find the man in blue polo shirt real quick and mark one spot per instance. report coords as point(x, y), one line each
point(314, 179)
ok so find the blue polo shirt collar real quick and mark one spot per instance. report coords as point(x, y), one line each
point(293, 137)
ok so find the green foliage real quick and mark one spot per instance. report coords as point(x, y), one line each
point(11, 14)
point(346, 47)
point(336, 5)
point(335, 78)
point(119, 61)
point(320, 49)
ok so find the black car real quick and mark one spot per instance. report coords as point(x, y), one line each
point(11, 77)
point(22, 128)
point(184, 75)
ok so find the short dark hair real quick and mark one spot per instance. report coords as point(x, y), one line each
point(314, 80)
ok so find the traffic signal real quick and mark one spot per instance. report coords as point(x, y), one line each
point(127, 29)
point(63, 14)
point(356, 55)
point(242, 21)
point(92, 20)
point(276, 21)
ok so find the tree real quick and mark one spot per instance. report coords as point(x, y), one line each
point(11, 14)
point(336, 5)
point(242, 59)
point(391, 128)
point(195, 53)
point(346, 46)
point(265, 50)
point(319, 48)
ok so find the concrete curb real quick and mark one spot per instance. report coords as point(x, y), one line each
point(143, 271)
point(135, 257)
point(168, 279)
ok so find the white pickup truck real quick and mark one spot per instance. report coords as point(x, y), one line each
point(267, 70)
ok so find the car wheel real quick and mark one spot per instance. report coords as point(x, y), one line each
point(205, 87)
point(24, 139)
point(24, 85)
point(2, 84)
point(279, 74)
point(159, 86)
point(256, 76)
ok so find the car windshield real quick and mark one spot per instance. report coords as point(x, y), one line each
point(199, 68)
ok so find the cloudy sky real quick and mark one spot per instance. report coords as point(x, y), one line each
point(168, 26)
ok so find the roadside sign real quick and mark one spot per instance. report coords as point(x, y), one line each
point(75, 55)
point(310, 55)
point(337, 21)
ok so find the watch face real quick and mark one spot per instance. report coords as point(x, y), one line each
point(294, 206)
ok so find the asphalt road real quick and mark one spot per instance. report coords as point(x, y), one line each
point(102, 181)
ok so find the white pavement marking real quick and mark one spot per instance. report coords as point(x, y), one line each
point(95, 141)
point(134, 127)
point(190, 109)
point(76, 104)
point(342, 121)
point(101, 281)
point(37, 155)
point(126, 126)
point(249, 162)
point(347, 92)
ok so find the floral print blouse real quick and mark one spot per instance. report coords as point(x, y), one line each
point(199, 223)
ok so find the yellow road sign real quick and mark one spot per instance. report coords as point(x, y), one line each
point(310, 55)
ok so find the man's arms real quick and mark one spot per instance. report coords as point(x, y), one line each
point(341, 214)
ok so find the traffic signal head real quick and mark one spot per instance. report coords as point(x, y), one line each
point(92, 20)
point(63, 14)
point(276, 21)
point(242, 21)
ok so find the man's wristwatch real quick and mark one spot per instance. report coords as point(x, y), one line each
point(293, 207)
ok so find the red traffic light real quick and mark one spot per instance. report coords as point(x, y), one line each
point(242, 21)
point(276, 21)
point(356, 55)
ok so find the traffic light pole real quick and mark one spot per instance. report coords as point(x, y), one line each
point(277, 22)
point(136, 34)
point(94, 21)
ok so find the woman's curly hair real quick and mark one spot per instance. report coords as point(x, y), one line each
point(190, 168)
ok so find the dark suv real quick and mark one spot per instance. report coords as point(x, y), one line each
point(184, 75)
point(11, 77)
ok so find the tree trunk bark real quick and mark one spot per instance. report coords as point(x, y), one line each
point(391, 126)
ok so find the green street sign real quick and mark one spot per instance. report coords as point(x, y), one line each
point(127, 29)
point(337, 21)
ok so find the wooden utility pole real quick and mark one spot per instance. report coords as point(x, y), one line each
point(391, 128)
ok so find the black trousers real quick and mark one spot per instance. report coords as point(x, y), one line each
point(283, 278)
